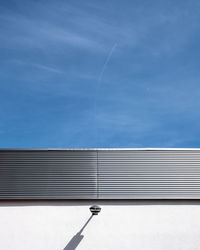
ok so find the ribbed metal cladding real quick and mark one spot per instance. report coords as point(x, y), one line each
point(48, 174)
point(100, 174)
point(149, 174)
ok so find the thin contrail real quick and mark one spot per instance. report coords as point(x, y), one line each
point(101, 76)
point(106, 62)
point(102, 71)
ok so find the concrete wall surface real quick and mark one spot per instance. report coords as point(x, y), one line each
point(121, 225)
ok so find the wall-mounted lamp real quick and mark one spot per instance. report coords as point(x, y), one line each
point(95, 209)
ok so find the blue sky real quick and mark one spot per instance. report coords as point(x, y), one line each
point(99, 74)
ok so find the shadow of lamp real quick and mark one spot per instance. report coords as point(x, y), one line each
point(76, 239)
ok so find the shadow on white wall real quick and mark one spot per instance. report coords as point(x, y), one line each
point(76, 239)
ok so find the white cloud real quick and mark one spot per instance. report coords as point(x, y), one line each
point(52, 26)
point(37, 66)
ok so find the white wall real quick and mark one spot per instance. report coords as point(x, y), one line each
point(137, 225)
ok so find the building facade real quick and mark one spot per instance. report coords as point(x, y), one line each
point(149, 199)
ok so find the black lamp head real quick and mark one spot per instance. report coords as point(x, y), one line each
point(95, 209)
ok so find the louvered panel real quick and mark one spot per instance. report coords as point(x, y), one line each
point(104, 174)
point(48, 174)
point(149, 174)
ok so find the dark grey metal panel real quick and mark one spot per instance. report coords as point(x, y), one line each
point(48, 174)
point(103, 174)
point(149, 174)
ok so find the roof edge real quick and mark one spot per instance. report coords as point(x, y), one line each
point(95, 149)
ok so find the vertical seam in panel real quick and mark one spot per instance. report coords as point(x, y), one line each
point(97, 175)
